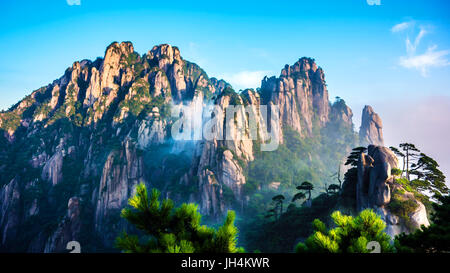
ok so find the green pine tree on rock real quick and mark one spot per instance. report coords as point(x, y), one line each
point(173, 230)
point(351, 235)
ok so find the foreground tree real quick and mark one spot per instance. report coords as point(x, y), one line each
point(351, 235)
point(169, 230)
point(435, 238)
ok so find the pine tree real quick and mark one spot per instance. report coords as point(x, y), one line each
point(308, 187)
point(354, 156)
point(411, 153)
point(173, 230)
point(429, 177)
point(422, 171)
point(351, 235)
point(278, 209)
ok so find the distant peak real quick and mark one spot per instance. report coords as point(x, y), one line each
point(303, 65)
point(368, 109)
point(371, 130)
point(123, 48)
point(165, 50)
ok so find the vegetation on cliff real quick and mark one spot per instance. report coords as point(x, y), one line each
point(432, 239)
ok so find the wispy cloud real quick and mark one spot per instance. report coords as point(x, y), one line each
point(245, 79)
point(401, 26)
point(422, 62)
point(73, 2)
point(411, 47)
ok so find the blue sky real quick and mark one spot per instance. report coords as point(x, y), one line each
point(391, 56)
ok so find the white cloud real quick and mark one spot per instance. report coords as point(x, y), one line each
point(73, 2)
point(423, 62)
point(411, 48)
point(245, 79)
point(401, 26)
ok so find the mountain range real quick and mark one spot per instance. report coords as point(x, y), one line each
point(72, 152)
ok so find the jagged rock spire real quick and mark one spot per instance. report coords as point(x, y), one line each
point(371, 130)
point(301, 93)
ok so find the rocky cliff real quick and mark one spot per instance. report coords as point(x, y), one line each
point(375, 187)
point(302, 95)
point(73, 151)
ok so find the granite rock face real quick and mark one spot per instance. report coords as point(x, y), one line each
point(301, 93)
point(371, 130)
point(69, 229)
point(10, 211)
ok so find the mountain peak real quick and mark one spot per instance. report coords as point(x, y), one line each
point(305, 66)
point(165, 51)
point(123, 47)
point(371, 130)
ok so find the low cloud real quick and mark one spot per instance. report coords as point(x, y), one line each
point(245, 79)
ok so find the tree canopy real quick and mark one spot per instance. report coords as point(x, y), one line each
point(173, 230)
point(351, 235)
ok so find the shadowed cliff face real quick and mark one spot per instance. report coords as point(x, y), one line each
point(74, 150)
